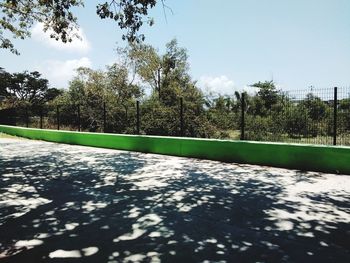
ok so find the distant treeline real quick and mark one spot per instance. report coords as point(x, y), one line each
point(106, 100)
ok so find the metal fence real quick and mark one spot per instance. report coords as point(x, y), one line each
point(315, 116)
point(311, 116)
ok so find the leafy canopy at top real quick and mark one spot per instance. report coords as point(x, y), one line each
point(18, 16)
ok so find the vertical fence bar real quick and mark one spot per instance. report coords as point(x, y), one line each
point(158, 78)
point(242, 116)
point(41, 117)
point(27, 117)
point(104, 116)
point(15, 117)
point(79, 124)
point(335, 113)
point(58, 117)
point(137, 117)
point(181, 117)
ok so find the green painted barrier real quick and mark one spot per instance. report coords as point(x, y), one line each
point(334, 159)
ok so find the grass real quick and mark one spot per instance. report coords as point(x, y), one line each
point(342, 138)
point(4, 135)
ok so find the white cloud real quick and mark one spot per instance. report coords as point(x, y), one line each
point(221, 84)
point(59, 72)
point(81, 45)
point(250, 90)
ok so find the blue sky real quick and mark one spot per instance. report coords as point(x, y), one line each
point(231, 43)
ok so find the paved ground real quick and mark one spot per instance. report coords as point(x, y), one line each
point(62, 203)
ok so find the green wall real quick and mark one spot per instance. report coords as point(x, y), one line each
point(296, 156)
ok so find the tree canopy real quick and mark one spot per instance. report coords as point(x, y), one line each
point(18, 16)
point(26, 87)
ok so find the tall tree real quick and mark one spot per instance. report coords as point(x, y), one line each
point(26, 87)
point(267, 92)
point(94, 89)
point(266, 99)
point(148, 64)
point(5, 79)
point(168, 77)
point(160, 71)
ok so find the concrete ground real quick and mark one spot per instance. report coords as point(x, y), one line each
point(63, 203)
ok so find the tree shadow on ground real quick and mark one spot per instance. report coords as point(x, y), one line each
point(62, 203)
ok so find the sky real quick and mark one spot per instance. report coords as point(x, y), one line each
point(231, 43)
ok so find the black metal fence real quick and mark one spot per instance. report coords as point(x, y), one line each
point(305, 116)
point(319, 116)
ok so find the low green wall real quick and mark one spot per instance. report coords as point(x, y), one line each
point(295, 156)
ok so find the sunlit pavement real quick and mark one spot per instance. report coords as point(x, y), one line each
point(63, 203)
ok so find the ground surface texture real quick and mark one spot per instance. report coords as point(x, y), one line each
point(63, 203)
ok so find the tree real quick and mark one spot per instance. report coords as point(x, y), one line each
point(26, 87)
point(94, 89)
point(315, 106)
point(344, 104)
point(267, 93)
point(148, 64)
point(297, 121)
point(125, 91)
point(175, 65)
point(344, 115)
point(221, 114)
point(128, 14)
point(160, 70)
point(18, 16)
point(5, 78)
point(167, 76)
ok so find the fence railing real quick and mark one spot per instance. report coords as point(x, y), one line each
point(306, 116)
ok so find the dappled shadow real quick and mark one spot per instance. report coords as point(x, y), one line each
point(61, 203)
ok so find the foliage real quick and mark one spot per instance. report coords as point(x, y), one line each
point(18, 16)
point(297, 120)
point(166, 75)
point(316, 107)
point(267, 95)
point(221, 114)
point(106, 100)
point(26, 87)
point(128, 14)
point(5, 78)
point(258, 128)
point(93, 91)
point(344, 115)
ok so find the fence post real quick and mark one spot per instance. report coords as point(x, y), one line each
point(335, 109)
point(181, 117)
point(79, 124)
point(104, 116)
point(137, 117)
point(15, 117)
point(27, 117)
point(242, 116)
point(58, 117)
point(158, 79)
point(41, 117)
